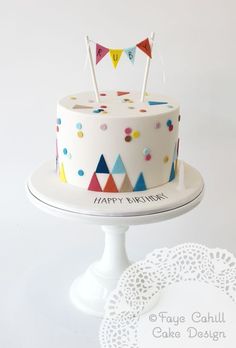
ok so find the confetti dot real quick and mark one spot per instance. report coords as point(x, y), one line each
point(102, 94)
point(103, 106)
point(96, 111)
point(128, 138)
point(58, 121)
point(136, 134)
point(143, 110)
point(65, 151)
point(171, 127)
point(57, 129)
point(148, 157)
point(80, 172)
point(103, 127)
point(179, 118)
point(169, 123)
point(73, 98)
point(146, 151)
point(128, 130)
point(165, 159)
point(80, 134)
point(79, 125)
point(158, 125)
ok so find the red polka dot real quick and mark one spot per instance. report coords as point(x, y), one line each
point(171, 127)
point(128, 130)
point(103, 106)
point(148, 157)
point(102, 94)
point(142, 110)
point(57, 129)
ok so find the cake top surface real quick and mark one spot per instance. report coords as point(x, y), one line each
point(118, 104)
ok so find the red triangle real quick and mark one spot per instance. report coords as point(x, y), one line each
point(119, 93)
point(110, 185)
point(94, 184)
point(145, 47)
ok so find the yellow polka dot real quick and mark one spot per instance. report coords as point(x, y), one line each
point(80, 134)
point(73, 98)
point(136, 134)
point(165, 159)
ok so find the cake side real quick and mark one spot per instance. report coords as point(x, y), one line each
point(119, 144)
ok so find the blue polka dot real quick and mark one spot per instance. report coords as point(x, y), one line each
point(65, 151)
point(169, 123)
point(146, 151)
point(80, 172)
point(58, 121)
point(79, 125)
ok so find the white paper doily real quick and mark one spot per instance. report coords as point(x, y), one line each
point(142, 281)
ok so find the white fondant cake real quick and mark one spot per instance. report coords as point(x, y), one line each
point(119, 144)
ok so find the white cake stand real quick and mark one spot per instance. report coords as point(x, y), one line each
point(114, 212)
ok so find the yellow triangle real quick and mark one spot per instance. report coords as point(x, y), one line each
point(115, 56)
point(62, 174)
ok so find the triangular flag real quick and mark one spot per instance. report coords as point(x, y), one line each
point(102, 166)
point(140, 184)
point(94, 184)
point(119, 93)
point(101, 51)
point(115, 56)
point(145, 47)
point(131, 53)
point(126, 185)
point(62, 174)
point(172, 172)
point(119, 167)
point(76, 106)
point(110, 185)
point(156, 103)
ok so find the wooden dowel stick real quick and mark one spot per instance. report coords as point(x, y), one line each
point(92, 69)
point(147, 70)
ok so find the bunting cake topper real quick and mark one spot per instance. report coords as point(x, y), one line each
point(145, 46)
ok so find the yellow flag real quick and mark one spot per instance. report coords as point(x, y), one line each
point(62, 174)
point(115, 56)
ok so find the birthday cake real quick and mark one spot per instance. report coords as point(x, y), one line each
point(118, 144)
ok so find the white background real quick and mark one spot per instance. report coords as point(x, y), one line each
point(42, 59)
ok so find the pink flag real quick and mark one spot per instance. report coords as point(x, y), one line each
point(101, 51)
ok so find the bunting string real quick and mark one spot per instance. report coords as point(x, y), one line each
point(115, 54)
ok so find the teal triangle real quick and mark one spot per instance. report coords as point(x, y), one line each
point(102, 166)
point(119, 167)
point(172, 173)
point(156, 103)
point(140, 184)
point(130, 52)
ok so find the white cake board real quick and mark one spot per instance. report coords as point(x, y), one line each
point(114, 212)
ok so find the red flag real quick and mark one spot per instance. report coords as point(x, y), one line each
point(145, 47)
point(101, 51)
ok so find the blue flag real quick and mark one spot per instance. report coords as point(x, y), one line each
point(130, 52)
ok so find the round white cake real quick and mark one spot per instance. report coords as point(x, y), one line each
point(119, 144)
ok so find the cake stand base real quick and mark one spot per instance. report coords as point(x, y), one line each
point(114, 213)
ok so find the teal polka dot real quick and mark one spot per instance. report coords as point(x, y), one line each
point(80, 172)
point(65, 151)
point(169, 123)
point(58, 121)
point(79, 125)
point(146, 151)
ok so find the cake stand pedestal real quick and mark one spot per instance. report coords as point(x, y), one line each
point(114, 212)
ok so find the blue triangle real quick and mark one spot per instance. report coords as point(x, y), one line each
point(140, 184)
point(156, 103)
point(102, 166)
point(130, 52)
point(119, 167)
point(172, 173)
